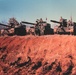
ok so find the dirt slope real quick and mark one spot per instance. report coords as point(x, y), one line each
point(38, 55)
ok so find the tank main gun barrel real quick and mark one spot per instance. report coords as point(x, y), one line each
point(4, 25)
point(55, 21)
point(28, 23)
point(31, 23)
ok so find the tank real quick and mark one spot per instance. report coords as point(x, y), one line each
point(40, 28)
point(9, 30)
point(63, 27)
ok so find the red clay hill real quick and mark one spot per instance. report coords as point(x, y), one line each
point(38, 55)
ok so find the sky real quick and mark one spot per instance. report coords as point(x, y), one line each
point(30, 10)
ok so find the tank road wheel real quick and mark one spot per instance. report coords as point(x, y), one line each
point(60, 30)
point(37, 32)
point(5, 32)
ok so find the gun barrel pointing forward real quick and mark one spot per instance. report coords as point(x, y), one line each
point(28, 23)
point(55, 21)
point(31, 23)
point(4, 25)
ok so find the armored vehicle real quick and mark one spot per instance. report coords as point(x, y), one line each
point(40, 28)
point(64, 27)
point(8, 30)
point(12, 28)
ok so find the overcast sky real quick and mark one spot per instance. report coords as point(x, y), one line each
point(30, 10)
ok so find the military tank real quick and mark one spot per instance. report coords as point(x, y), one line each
point(64, 27)
point(40, 28)
point(10, 31)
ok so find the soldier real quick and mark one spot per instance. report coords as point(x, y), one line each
point(61, 24)
point(69, 23)
point(41, 26)
point(61, 20)
point(11, 22)
point(41, 20)
point(37, 30)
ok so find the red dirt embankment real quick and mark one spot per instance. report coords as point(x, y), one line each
point(38, 55)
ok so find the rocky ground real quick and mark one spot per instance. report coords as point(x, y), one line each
point(38, 55)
